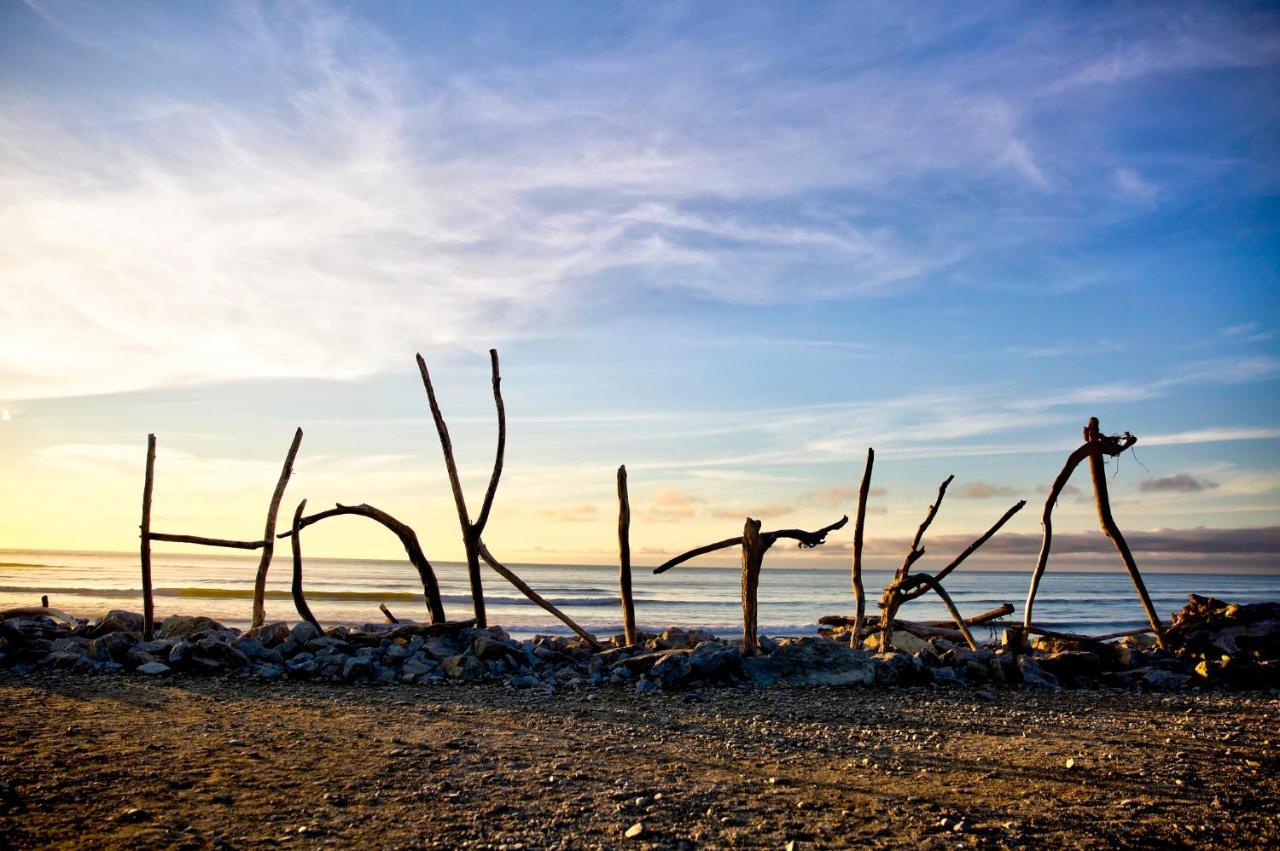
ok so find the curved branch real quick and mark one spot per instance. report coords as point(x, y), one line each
point(269, 534)
point(891, 597)
point(951, 609)
point(408, 539)
point(808, 540)
point(299, 600)
point(502, 445)
point(698, 551)
point(524, 589)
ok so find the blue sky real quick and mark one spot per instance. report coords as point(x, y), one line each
point(729, 245)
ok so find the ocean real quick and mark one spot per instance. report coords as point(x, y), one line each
point(791, 598)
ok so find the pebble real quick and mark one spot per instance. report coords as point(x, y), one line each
point(635, 831)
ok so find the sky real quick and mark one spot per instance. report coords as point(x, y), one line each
point(730, 245)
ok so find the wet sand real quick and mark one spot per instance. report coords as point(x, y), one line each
point(112, 761)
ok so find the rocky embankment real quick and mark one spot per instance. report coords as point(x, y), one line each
point(1209, 644)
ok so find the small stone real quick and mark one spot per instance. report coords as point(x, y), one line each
point(153, 669)
point(1071, 762)
point(635, 831)
point(133, 816)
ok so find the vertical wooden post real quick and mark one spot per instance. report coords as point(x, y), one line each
point(624, 558)
point(269, 536)
point(1103, 500)
point(299, 600)
point(148, 483)
point(859, 596)
point(753, 550)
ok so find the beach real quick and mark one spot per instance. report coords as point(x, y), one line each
point(114, 761)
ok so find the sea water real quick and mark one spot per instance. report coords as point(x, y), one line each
point(792, 598)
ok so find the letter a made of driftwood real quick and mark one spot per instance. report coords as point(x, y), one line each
point(1094, 447)
point(754, 545)
point(267, 544)
point(905, 587)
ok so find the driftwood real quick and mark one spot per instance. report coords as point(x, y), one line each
point(269, 534)
point(891, 598)
point(387, 613)
point(148, 484)
point(471, 531)
point(1095, 639)
point(38, 612)
point(859, 596)
point(754, 545)
point(624, 558)
point(207, 542)
point(524, 589)
point(408, 539)
point(299, 600)
point(1094, 447)
point(409, 630)
point(872, 624)
point(906, 587)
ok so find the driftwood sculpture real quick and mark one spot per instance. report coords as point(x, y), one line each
point(624, 559)
point(267, 544)
point(754, 545)
point(408, 539)
point(905, 587)
point(1095, 446)
point(943, 629)
point(471, 531)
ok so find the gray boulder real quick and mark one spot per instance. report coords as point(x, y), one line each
point(463, 667)
point(153, 669)
point(711, 660)
point(811, 661)
point(118, 620)
point(671, 670)
point(1034, 676)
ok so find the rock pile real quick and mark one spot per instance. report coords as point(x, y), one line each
point(1210, 643)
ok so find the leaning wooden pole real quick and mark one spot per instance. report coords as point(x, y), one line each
point(753, 550)
point(891, 599)
point(148, 483)
point(859, 595)
point(299, 600)
point(269, 535)
point(523, 587)
point(624, 558)
point(1103, 501)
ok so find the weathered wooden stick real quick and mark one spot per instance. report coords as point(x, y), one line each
point(299, 600)
point(1099, 474)
point(859, 596)
point(1112, 446)
point(624, 558)
point(891, 599)
point(872, 624)
point(44, 601)
point(807, 540)
point(698, 551)
point(970, 550)
point(1072, 636)
point(148, 483)
point(471, 532)
point(206, 542)
point(269, 534)
point(38, 612)
point(524, 589)
point(387, 613)
point(408, 539)
point(754, 547)
point(952, 610)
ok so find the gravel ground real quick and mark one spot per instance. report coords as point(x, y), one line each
point(112, 761)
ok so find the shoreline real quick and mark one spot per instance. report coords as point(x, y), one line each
point(236, 762)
